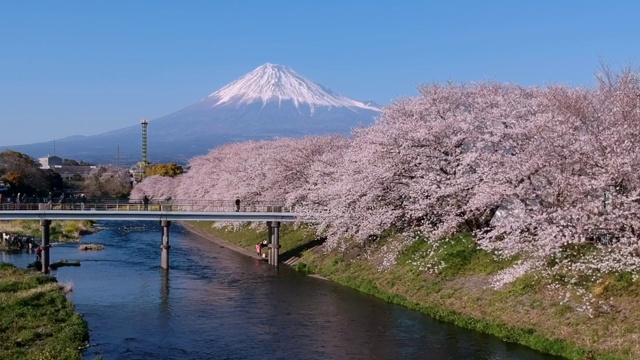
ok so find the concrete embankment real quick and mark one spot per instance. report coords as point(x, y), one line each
point(219, 241)
point(289, 258)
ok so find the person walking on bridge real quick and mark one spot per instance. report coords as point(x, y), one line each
point(83, 201)
point(61, 201)
point(145, 202)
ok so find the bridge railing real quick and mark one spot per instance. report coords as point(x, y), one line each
point(153, 205)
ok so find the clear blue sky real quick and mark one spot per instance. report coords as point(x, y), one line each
point(86, 67)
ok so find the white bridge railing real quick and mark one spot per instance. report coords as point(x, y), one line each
point(153, 205)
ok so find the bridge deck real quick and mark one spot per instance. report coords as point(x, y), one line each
point(146, 215)
point(117, 209)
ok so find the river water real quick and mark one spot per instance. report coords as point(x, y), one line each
point(217, 304)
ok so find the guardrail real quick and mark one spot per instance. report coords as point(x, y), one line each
point(154, 205)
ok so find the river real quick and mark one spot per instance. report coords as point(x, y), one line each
point(217, 304)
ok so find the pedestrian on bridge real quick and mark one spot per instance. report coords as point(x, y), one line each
point(83, 201)
point(61, 201)
point(145, 201)
point(237, 205)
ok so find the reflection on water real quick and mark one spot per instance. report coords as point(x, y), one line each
point(217, 304)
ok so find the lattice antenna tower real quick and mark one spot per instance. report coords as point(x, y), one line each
point(145, 160)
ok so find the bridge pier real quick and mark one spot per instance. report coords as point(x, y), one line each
point(274, 242)
point(269, 240)
point(46, 227)
point(164, 257)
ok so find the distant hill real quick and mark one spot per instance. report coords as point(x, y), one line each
point(271, 101)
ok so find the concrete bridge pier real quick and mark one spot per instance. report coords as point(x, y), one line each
point(46, 231)
point(164, 257)
point(274, 236)
point(269, 240)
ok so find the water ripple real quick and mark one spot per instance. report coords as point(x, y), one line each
point(217, 304)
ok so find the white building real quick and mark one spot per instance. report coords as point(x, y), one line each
point(67, 172)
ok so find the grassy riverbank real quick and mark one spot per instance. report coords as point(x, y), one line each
point(60, 231)
point(36, 319)
point(247, 237)
point(595, 321)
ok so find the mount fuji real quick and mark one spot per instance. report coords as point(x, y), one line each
point(271, 101)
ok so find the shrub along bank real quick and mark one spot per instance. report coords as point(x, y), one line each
point(36, 319)
point(589, 320)
point(62, 231)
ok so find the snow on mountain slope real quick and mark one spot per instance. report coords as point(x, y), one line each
point(271, 101)
point(277, 83)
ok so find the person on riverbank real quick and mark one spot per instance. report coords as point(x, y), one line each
point(237, 205)
point(38, 253)
point(145, 202)
point(259, 246)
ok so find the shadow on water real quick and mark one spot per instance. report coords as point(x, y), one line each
point(217, 304)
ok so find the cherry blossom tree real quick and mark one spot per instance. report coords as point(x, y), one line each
point(156, 187)
point(275, 171)
point(579, 169)
point(532, 172)
point(418, 166)
point(447, 160)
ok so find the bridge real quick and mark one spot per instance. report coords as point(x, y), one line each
point(165, 211)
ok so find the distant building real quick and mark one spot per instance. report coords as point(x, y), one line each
point(4, 187)
point(49, 162)
point(67, 172)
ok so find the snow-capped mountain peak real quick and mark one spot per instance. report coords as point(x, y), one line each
point(278, 83)
point(270, 102)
